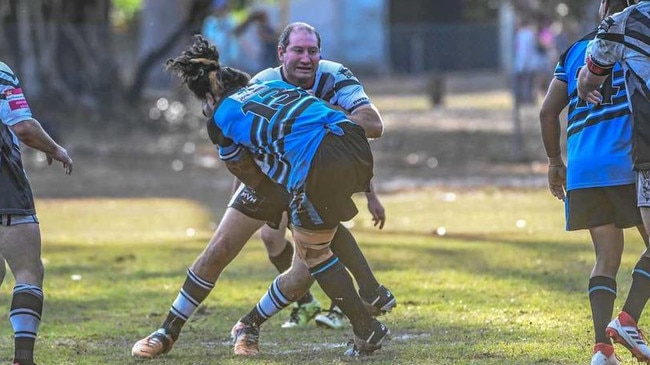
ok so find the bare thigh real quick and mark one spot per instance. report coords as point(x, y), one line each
point(235, 229)
point(20, 245)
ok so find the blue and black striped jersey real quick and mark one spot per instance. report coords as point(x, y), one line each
point(15, 192)
point(280, 124)
point(623, 37)
point(599, 137)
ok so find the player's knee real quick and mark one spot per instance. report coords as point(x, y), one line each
point(607, 266)
point(295, 282)
point(313, 246)
point(274, 239)
point(317, 256)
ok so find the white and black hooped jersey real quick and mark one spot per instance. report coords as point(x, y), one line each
point(624, 37)
point(334, 83)
point(15, 193)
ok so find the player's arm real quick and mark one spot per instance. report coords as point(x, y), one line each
point(235, 184)
point(246, 170)
point(31, 133)
point(590, 78)
point(240, 163)
point(554, 102)
point(368, 117)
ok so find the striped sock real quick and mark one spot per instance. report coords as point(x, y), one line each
point(271, 303)
point(639, 292)
point(602, 293)
point(191, 295)
point(25, 318)
point(337, 283)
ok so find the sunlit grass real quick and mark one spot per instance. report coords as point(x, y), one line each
point(482, 276)
point(496, 100)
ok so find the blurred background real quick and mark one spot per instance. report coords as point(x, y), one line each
point(97, 51)
point(456, 84)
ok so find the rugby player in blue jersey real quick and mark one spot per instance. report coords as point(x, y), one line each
point(599, 180)
point(622, 38)
point(20, 237)
point(288, 126)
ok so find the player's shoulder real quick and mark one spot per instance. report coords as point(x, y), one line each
point(7, 77)
point(334, 68)
point(578, 48)
point(617, 22)
point(4, 68)
point(270, 74)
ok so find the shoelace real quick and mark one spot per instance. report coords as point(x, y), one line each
point(642, 334)
point(159, 338)
point(332, 314)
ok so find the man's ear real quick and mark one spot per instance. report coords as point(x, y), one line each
point(209, 98)
point(281, 54)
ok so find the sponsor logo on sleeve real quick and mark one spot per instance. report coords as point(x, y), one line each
point(345, 72)
point(16, 99)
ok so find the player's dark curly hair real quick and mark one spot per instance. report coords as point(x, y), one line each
point(198, 67)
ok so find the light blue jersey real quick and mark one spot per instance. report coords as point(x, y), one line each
point(15, 192)
point(599, 137)
point(280, 124)
point(333, 83)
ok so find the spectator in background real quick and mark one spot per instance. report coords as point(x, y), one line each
point(268, 37)
point(221, 28)
point(527, 61)
point(547, 52)
point(243, 47)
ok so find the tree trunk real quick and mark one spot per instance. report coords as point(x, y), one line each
point(155, 47)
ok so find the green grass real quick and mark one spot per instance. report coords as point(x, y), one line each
point(505, 284)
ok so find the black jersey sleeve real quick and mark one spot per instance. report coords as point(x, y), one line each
point(216, 135)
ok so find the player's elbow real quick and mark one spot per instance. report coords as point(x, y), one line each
point(375, 131)
point(546, 114)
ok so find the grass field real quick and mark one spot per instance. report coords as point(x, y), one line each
point(482, 276)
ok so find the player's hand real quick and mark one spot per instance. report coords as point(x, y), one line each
point(61, 155)
point(377, 211)
point(594, 97)
point(557, 180)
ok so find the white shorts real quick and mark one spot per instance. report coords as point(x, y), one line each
point(643, 188)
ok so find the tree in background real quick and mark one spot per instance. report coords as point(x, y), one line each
point(65, 53)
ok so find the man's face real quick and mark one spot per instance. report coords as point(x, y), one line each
point(300, 58)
